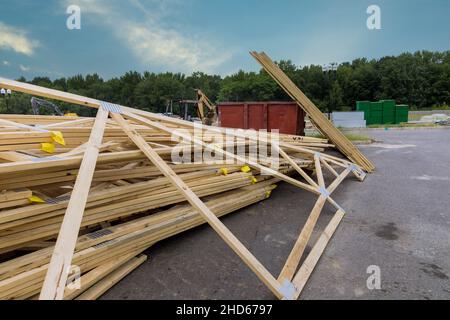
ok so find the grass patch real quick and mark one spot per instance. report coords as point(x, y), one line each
point(433, 108)
point(416, 117)
point(403, 125)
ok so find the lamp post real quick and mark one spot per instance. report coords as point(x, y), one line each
point(330, 70)
point(6, 94)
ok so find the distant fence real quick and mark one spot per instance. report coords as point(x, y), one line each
point(348, 119)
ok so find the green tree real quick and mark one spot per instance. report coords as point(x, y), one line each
point(334, 101)
point(420, 79)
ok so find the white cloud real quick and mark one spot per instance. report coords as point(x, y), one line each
point(6, 63)
point(150, 41)
point(16, 39)
point(170, 48)
point(24, 68)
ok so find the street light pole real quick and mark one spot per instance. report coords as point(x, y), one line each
point(6, 94)
point(331, 69)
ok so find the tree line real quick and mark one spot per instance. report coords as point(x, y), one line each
point(420, 79)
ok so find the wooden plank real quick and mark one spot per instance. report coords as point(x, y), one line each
point(317, 117)
point(77, 122)
point(177, 216)
point(338, 181)
point(198, 204)
point(55, 280)
point(296, 167)
point(319, 173)
point(299, 247)
point(97, 274)
point(106, 283)
point(14, 203)
point(310, 263)
point(15, 156)
point(291, 264)
point(198, 142)
point(15, 195)
point(330, 168)
point(253, 164)
point(49, 93)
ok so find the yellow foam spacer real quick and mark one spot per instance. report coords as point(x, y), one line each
point(224, 171)
point(254, 180)
point(246, 169)
point(36, 199)
point(268, 193)
point(48, 147)
point(57, 136)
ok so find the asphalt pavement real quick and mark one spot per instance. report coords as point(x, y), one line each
point(397, 222)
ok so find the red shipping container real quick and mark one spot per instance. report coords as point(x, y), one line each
point(287, 117)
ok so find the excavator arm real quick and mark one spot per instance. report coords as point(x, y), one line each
point(211, 114)
point(36, 103)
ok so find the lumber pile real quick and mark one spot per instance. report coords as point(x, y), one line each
point(320, 121)
point(81, 199)
point(22, 277)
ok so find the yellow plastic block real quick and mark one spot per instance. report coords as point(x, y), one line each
point(48, 147)
point(254, 180)
point(57, 136)
point(224, 171)
point(246, 169)
point(268, 193)
point(36, 199)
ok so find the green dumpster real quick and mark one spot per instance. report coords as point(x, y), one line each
point(401, 113)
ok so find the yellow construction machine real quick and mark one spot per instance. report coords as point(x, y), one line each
point(210, 117)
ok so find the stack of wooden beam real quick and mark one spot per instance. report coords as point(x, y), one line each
point(81, 199)
point(319, 120)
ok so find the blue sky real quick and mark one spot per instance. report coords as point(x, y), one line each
point(213, 36)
